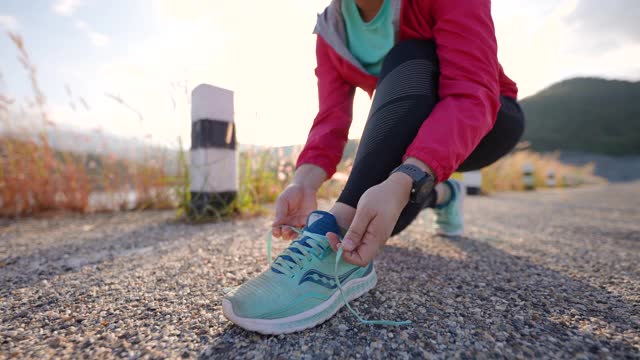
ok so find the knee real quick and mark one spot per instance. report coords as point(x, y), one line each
point(517, 122)
point(413, 49)
point(520, 125)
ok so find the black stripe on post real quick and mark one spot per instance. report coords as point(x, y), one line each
point(207, 133)
point(472, 190)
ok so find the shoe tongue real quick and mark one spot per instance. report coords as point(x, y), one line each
point(322, 222)
point(318, 222)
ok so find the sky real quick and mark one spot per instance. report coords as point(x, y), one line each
point(151, 53)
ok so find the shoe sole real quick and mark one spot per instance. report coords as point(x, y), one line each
point(463, 191)
point(308, 319)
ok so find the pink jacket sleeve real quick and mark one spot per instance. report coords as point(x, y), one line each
point(469, 87)
point(330, 129)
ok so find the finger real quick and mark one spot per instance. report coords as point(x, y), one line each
point(299, 221)
point(365, 253)
point(369, 246)
point(334, 241)
point(288, 234)
point(282, 207)
point(285, 233)
point(276, 231)
point(357, 229)
point(354, 258)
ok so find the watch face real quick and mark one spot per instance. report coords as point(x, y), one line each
point(423, 183)
point(423, 189)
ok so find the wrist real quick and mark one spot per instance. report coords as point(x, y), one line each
point(419, 163)
point(416, 179)
point(309, 176)
point(403, 183)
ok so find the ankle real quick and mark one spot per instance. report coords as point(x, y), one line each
point(443, 193)
point(344, 216)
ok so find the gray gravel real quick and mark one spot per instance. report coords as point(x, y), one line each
point(551, 274)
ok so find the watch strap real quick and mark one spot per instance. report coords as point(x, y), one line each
point(416, 174)
point(413, 171)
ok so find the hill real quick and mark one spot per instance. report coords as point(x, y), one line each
point(94, 143)
point(585, 114)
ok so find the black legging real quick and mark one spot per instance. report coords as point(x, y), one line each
point(407, 92)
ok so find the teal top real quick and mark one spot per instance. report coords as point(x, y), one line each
point(369, 42)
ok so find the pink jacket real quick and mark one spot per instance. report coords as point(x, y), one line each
point(471, 81)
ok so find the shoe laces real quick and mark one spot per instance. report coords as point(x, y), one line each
point(290, 270)
point(293, 258)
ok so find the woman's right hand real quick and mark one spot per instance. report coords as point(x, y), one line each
point(293, 206)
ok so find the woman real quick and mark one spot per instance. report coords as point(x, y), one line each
point(442, 103)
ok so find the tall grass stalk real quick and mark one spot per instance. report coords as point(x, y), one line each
point(35, 177)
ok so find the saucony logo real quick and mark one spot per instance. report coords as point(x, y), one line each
point(325, 280)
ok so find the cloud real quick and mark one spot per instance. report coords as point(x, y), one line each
point(604, 26)
point(613, 18)
point(98, 39)
point(9, 22)
point(530, 47)
point(566, 38)
point(187, 10)
point(268, 64)
point(81, 25)
point(66, 7)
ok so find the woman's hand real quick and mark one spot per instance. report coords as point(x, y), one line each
point(298, 200)
point(293, 206)
point(376, 215)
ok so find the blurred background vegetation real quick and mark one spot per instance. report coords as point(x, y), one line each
point(38, 174)
point(587, 115)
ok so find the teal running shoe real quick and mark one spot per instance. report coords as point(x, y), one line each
point(305, 286)
point(449, 216)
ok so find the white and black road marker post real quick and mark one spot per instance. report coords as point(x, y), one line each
point(528, 176)
point(551, 180)
point(214, 160)
point(473, 182)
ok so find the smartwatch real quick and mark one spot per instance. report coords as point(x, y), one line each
point(423, 183)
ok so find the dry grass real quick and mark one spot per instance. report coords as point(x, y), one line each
point(33, 177)
point(36, 178)
point(507, 173)
point(262, 176)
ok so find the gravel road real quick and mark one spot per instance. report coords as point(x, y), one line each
point(550, 274)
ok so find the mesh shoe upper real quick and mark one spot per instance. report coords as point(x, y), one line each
point(449, 216)
point(299, 279)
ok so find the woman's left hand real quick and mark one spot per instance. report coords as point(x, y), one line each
point(376, 215)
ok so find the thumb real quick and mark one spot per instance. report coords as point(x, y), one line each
point(356, 231)
point(282, 207)
point(368, 248)
point(334, 241)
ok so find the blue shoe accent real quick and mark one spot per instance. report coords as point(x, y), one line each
point(306, 285)
point(318, 222)
point(325, 280)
